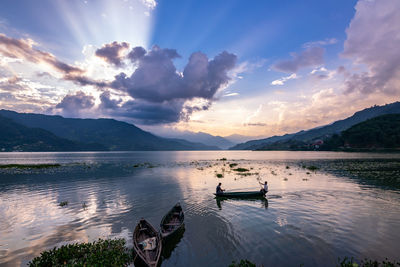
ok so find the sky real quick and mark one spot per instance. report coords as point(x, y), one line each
point(254, 68)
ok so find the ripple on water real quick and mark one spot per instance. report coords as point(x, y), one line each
point(310, 221)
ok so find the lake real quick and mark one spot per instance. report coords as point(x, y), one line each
point(349, 206)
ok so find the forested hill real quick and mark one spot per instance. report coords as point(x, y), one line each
point(381, 132)
point(112, 134)
point(322, 132)
point(17, 137)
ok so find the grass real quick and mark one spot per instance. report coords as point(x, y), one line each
point(98, 253)
point(29, 166)
point(241, 170)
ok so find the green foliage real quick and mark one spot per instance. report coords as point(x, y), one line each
point(223, 159)
point(219, 175)
point(382, 132)
point(242, 263)
point(29, 166)
point(349, 262)
point(233, 165)
point(98, 253)
point(241, 170)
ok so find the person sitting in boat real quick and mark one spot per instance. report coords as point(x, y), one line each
point(219, 189)
point(265, 189)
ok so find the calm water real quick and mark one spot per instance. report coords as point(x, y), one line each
point(349, 207)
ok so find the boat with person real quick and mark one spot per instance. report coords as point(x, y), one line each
point(147, 244)
point(172, 221)
point(239, 194)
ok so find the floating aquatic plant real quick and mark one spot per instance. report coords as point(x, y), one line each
point(241, 170)
point(63, 203)
point(29, 166)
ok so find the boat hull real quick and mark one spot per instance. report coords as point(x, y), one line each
point(172, 222)
point(143, 231)
point(241, 194)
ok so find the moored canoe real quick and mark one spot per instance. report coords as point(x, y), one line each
point(147, 243)
point(172, 221)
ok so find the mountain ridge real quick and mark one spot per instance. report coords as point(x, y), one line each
point(325, 130)
point(114, 135)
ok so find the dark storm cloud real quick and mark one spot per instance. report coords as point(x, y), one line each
point(312, 56)
point(107, 102)
point(160, 91)
point(157, 80)
point(112, 53)
point(73, 104)
point(144, 112)
point(136, 53)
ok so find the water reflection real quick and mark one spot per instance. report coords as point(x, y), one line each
point(262, 200)
point(309, 217)
point(172, 242)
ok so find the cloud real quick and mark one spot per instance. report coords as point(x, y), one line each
point(107, 102)
point(156, 84)
point(112, 53)
point(144, 112)
point(282, 80)
point(327, 41)
point(23, 49)
point(150, 90)
point(231, 94)
point(71, 105)
point(136, 53)
point(373, 40)
point(312, 56)
point(151, 4)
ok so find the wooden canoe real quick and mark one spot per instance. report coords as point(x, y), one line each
point(172, 221)
point(241, 194)
point(143, 231)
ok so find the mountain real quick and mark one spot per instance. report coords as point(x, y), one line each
point(201, 137)
point(382, 132)
point(324, 131)
point(237, 138)
point(113, 134)
point(16, 137)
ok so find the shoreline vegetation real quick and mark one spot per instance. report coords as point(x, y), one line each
point(114, 252)
point(29, 166)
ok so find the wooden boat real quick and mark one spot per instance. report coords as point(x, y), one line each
point(144, 238)
point(172, 221)
point(241, 194)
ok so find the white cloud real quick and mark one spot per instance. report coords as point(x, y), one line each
point(373, 40)
point(231, 94)
point(327, 41)
point(151, 4)
point(282, 80)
